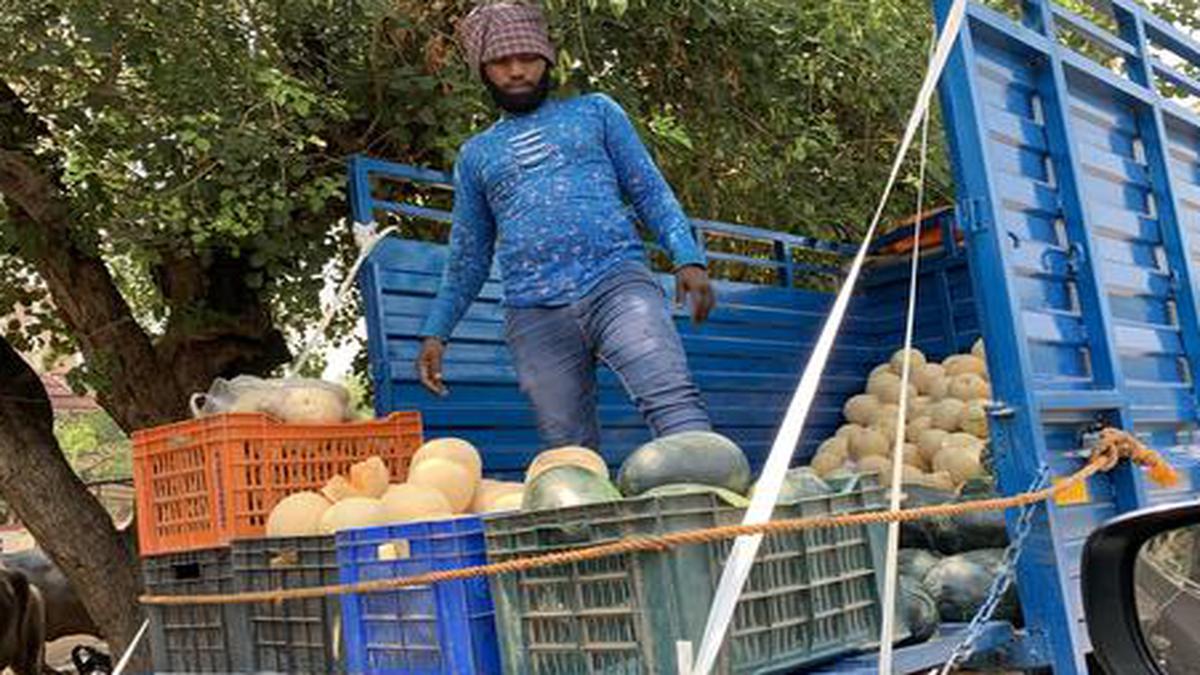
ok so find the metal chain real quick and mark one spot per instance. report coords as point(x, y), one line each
point(1000, 584)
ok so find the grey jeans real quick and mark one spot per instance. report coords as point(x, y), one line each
point(624, 323)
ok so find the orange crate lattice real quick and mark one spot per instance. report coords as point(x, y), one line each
point(204, 482)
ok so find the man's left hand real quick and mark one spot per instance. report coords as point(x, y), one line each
point(693, 280)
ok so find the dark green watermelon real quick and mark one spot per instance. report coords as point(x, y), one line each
point(916, 562)
point(700, 457)
point(922, 533)
point(567, 485)
point(971, 531)
point(918, 611)
point(960, 584)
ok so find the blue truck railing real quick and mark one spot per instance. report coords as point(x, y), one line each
point(1078, 185)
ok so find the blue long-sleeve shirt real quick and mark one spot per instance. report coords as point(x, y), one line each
point(543, 191)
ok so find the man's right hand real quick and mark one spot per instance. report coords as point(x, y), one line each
point(429, 365)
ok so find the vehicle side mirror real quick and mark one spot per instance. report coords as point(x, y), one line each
point(1141, 591)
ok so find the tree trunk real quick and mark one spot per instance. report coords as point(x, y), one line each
point(54, 504)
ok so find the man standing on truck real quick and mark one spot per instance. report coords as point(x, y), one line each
point(543, 188)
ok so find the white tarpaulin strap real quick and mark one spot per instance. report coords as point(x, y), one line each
point(887, 627)
point(766, 491)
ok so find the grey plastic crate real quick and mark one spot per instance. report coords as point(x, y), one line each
point(811, 596)
point(294, 636)
point(195, 638)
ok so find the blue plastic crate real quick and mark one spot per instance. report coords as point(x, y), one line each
point(444, 628)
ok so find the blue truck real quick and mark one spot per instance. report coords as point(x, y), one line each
point(1073, 250)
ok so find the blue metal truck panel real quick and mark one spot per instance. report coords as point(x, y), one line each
point(1068, 185)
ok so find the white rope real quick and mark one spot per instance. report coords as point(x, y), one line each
point(130, 649)
point(887, 629)
point(367, 239)
point(766, 492)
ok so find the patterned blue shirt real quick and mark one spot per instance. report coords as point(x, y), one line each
point(544, 192)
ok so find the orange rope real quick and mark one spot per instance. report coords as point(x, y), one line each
point(1108, 451)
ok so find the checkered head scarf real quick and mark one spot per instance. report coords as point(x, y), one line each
point(494, 31)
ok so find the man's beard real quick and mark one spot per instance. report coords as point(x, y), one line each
point(523, 102)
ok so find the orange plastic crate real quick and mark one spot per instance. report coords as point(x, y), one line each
point(205, 482)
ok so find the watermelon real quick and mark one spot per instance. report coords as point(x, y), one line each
point(567, 485)
point(921, 533)
point(960, 584)
point(800, 483)
point(917, 610)
point(970, 531)
point(916, 562)
point(699, 457)
point(731, 498)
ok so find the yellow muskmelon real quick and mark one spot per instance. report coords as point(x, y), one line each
point(406, 502)
point(929, 443)
point(947, 414)
point(339, 488)
point(969, 386)
point(965, 363)
point(454, 449)
point(506, 502)
point(370, 477)
point(823, 463)
point(353, 512)
point(868, 442)
point(453, 479)
point(297, 515)
point(861, 409)
point(928, 380)
point(915, 360)
point(572, 455)
point(491, 490)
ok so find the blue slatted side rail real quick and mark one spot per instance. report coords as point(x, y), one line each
point(1077, 175)
point(746, 359)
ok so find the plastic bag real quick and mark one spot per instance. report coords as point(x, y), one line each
point(294, 399)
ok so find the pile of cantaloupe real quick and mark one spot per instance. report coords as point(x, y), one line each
point(946, 429)
point(445, 479)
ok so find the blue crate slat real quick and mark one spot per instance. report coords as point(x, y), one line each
point(438, 629)
point(1086, 254)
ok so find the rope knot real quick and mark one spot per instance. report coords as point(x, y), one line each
point(1117, 444)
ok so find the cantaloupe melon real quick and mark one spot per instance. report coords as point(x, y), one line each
point(835, 445)
point(888, 430)
point(297, 515)
point(861, 409)
point(867, 442)
point(975, 419)
point(912, 457)
point(939, 480)
point(961, 456)
point(888, 390)
point(915, 360)
point(969, 386)
point(847, 431)
point(353, 512)
point(877, 382)
point(930, 443)
point(453, 479)
point(960, 364)
point(881, 368)
point(947, 414)
point(919, 407)
point(928, 378)
point(338, 488)
point(877, 464)
point(491, 490)
point(454, 449)
point(824, 463)
point(507, 502)
point(887, 413)
point(370, 477)
point(979, 351)
point(914, 429)
point(572, 455)
point(407, 502)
